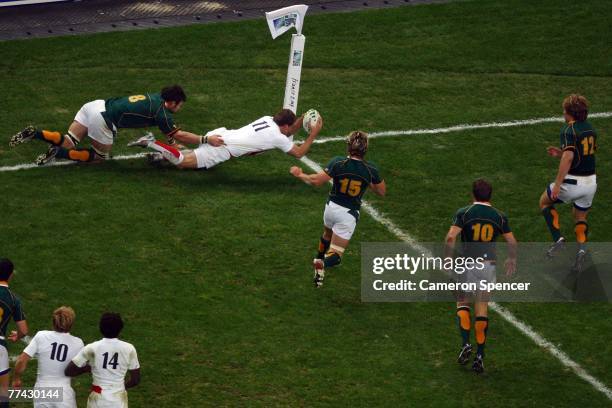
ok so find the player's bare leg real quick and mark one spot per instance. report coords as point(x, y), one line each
point(183, 159)
point(581, 228)
point(551, 216)
point(481, 325)
point(464, 321)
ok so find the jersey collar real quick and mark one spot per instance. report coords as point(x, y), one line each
point(482, 203)
point(4, 283)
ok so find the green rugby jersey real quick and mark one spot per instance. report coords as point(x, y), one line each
point(481, 223)
point(138, 111)
point(351, 180)
point(10, 307)
point(580, 137)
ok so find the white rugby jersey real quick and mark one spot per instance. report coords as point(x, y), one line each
point(110, 359)
point(54, 350)
point(256, 137)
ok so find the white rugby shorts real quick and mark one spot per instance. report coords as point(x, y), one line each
point(339, 220)
point(68, 396)
point(108, 399)
point(90, 116)
point(4, 361)
point(208, 156)
point(579, 190)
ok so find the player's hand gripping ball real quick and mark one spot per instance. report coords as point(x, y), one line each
point(310, 119)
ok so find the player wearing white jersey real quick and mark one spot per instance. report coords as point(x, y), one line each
point(110, 360)
point(54, 349)
point(219, 145)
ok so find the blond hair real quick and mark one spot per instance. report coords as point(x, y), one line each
point(577, 106)
point(63, 319)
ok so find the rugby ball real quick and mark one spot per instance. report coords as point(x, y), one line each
point(310, 118)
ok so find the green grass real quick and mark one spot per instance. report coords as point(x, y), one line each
point(210, 269)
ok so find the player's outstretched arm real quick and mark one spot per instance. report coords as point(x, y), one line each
point(316, 179)
point(20, 366)
point(134, 379)
point(301, 150)
point(72, 370)
point(191, 138)
point(379, 189)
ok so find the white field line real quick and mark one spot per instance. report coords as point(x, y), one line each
point(28, 166)
point(387, 133)
point(503, 312)
point(460, 128)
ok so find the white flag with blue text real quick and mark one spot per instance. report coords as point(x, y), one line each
point(283, 19)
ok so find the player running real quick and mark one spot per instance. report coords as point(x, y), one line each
point(54, 349)
point(352, 175)
point(110, 359)
point(100, 120)
point(576, 181)
point(479, 224)
point(266, 133)
point(10, 308)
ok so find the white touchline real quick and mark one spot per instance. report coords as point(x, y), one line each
point(387, 133)
point(503, 312)
point(28, 166)
point(460, 128)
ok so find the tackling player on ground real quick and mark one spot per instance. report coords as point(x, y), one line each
point(100, 120)
point(266, 133)
point(576, 181)
point(10, 308)
point(351, 176)
point(54, 349)
point(480, 224)
point(109, 359)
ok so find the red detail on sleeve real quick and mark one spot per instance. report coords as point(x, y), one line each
point(97, 389)
point(169, 148)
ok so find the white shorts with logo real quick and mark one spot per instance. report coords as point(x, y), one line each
point(4, 361)
point(68, 396)
point(208, 156)
point(108, 399)
point(579, 190)
point(90, 116)
point(339, 220)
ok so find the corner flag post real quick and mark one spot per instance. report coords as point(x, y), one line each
point(280, 21)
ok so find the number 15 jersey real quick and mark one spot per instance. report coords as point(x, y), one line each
point(351, 180)
point(110, 359)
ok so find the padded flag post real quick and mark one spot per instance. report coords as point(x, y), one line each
point(280, 21)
